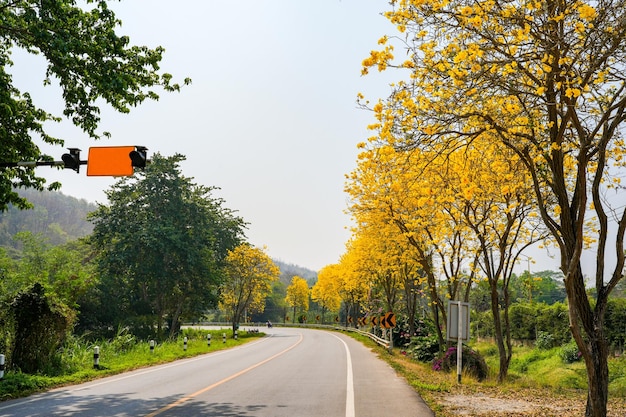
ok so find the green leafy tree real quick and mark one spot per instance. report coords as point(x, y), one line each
point(615, 322)
point(249, 275)
point(161, 244)
point(89, 60)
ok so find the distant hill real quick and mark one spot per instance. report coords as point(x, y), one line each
point(56, 216)
point(61, 219)
point(287, 272)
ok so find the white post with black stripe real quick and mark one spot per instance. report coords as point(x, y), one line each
point(96, 357)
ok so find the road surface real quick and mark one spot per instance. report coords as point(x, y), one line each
point(291, 373)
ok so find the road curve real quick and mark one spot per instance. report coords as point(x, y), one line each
point(291, 373)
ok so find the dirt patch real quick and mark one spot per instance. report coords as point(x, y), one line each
point(527, 403)
point(479, 404)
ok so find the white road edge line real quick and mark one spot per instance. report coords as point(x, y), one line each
point(349, 381)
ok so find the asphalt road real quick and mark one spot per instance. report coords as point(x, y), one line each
point(292, 372)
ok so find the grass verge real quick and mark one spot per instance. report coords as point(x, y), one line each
point(75, 362)
point(539, 384)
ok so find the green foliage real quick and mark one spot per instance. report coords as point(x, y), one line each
point(541, 287)
point(161, 247)
point(554, 319)
point(480, 297)
point(92, 64)
point(549, 321)
point(481, 324)
point(522, 362)
point(533, 367)
point(523, 321)
point(617, 377)
point(544, 341)
point(41, 326)
point(402, 336)
point(275, 305)
point(615, 323)
point(423, 348)
point(569, 353)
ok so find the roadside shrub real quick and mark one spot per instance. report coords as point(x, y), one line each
point(554, 319)
point(41, 326)
point(614, 322)
point(402, 334)
point(123, 341)
point(523, 320)
point(482, 324)
point(569, 353)
point(522, 361)
point(423, 348)
point(473, 363)
point(544, 341)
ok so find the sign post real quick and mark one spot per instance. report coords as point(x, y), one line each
point(458, 330)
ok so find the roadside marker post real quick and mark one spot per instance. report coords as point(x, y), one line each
point(96, 357)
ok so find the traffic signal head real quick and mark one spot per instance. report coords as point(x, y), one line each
point(115, 160)
point(139, 157)
point(72, 160)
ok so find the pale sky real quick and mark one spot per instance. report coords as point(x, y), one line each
point(270, 117)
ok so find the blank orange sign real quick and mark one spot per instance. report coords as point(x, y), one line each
point(110, 161)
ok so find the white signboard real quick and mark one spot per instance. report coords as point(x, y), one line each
point(452, 325)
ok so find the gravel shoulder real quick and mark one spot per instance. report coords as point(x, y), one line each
point(491, 402)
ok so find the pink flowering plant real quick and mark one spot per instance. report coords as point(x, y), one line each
point(473, 363)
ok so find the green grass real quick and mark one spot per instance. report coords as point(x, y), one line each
point(532, 367)
point(75, 364)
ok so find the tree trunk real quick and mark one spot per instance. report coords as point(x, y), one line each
point(175, 326)
point(502, 351)
point(598, 377)
point(592, 344)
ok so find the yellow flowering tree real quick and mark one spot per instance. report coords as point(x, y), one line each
point(325, 292)
point(546, 80)
point(353, 289)
point(497, 208)
point(249, 274)
point(298, 295)
point(464, 212)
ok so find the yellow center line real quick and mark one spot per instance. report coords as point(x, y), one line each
point(210, 387)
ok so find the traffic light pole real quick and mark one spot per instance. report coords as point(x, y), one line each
point(35, 164)
point(69, 160)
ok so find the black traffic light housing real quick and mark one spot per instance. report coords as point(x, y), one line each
point(72, 160)
point(139, 157)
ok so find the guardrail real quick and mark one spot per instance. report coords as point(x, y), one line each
point(378, 340)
